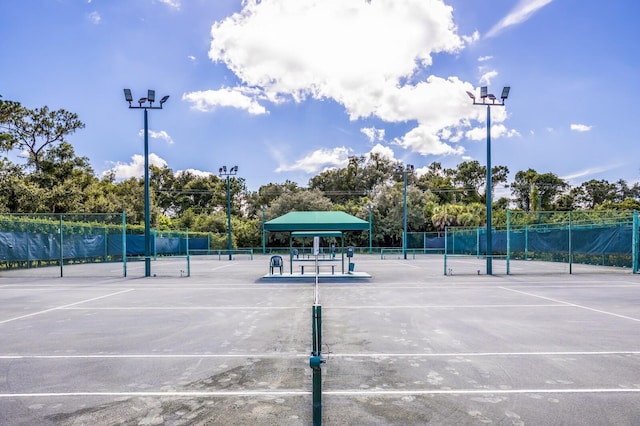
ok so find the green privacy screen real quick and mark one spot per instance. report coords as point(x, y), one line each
point(600, 238)
point(36, 240)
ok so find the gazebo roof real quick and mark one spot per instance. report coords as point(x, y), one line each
point(316, 221)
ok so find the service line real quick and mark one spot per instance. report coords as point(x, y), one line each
point(600, 311)
point(65, 306)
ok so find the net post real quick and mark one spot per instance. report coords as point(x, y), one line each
point(315, 363)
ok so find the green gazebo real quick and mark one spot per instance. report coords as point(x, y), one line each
point(316, 223)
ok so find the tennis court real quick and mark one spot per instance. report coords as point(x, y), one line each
point(408, 346)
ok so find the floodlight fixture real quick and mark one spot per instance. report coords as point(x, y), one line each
point(127, 96)
point(142, 102)
point(505, 93)
point(471, 95)
point(492, 97)
point(483, 92)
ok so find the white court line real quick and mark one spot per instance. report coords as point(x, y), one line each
point(293, 355)
point(476, 391)
point(186, 308)
point(267, 308)
point(65, 306)
point(481, 354)
point(573, 304)
point(347, 392)
point(555, 305)
point(282, 355)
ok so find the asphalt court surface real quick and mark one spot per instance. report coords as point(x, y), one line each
point(409, 346)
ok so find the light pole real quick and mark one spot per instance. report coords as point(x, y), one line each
point(489, 100)
point(370, 208)
point(223, 172)
point(408, 168)
point(142, 104)
point(264, 245)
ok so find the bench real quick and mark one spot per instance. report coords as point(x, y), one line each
point(333, 268)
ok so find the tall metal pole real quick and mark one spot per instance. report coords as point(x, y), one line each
point(488, 192)
point(489, 100)
point(229, 245)
point(147, 209)
point(404, 235)
point(146, 103)
point(223, 172)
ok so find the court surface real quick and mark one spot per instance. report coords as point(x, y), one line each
point(409, 346)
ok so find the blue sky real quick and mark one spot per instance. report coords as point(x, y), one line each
point(287, 88)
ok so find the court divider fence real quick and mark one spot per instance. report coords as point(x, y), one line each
point(604, 238)
point(44, 240)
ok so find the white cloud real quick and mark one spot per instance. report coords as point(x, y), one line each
point(497, 131)
point(472, 38)
point(284, 47)
point(581, 174)
point(158, 135)
point(487, 77)
point(382, 151)
point(580, 127)
point(521, 13)
point(373, 134)
point(237, 97)
point(135, 168)
point(175, 4)
point(191, 58)
point(484, 58)
point(423, 141)
point(318, 160)
point(94, 18)
point(194, 172)
point(282, 51)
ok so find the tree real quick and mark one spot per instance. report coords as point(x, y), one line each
point(469, 177)
point(301, 201)
point(439, 182)
point(34, 131)
point(595, 192)
point(533, 191)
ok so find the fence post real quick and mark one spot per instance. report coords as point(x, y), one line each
point(124, 243)
point(570, 245)
point(526, 242)
point(61, 249)
point(508, 239)
point(634, 243)
point(445, 251)
point(106, 245)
